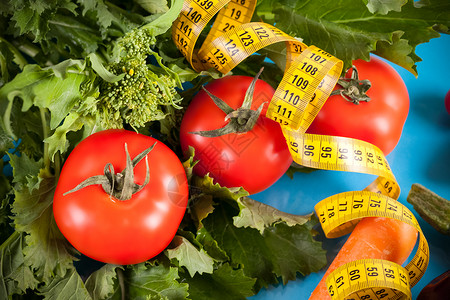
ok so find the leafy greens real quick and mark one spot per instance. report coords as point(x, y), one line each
point(350, 30)
point(60, 61)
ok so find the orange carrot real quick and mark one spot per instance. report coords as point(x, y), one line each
point(377, 238)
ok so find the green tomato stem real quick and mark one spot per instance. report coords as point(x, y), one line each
point(119, 185)
point(240, 120)
point(353, 89)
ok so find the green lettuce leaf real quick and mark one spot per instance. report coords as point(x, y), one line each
point(193, 259)
point(154, 6)
point(24, 170)
point(225, 283)
point(151, 281)
point(244, 246)
point(5, 208)
point(74, 122)
point(163, 22)
point(265, 243)
point(101, 284)
point(383, 7)
point(281, 250)
point(47, 88)
point(107, 15)
point(200, 207)
point(70, 287)
point(348, 30)
point(15, 276)
point(71, 36)
point(296, 250)
point(24, 124)
point(58, 24)
point(46, 250)
point(211, 246)
point(30, 21)
point(6, 142)
point(33, 16)
point(258, 215)
point(100, 69)
point(11, 61)
point(208, 186)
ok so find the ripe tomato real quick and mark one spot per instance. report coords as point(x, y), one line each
point(120, 231)
point(253, 160)
point(379, 121)
point(447, 101)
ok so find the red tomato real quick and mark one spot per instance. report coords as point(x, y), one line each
point(379, 121)
point(121, 231)
point(253, 160)
point(447, 101)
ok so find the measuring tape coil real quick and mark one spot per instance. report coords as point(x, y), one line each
point(310, 76)
point(338, 215)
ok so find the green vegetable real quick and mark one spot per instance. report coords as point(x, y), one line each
point(431, 207)
point(123, 89)
point(131, 90)
point(352, 29)
point(69, 68)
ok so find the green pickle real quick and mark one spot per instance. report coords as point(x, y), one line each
point(434, 209)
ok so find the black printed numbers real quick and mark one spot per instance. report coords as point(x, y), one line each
point(194, 15)
point(231, 47)
point(300, 82)
point(246, 38)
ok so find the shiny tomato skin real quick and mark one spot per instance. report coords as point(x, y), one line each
point(447, 102)
point(379, 121)
point(253, 160)
point(114, 231)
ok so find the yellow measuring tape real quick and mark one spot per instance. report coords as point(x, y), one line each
point(375, 279)
point(308, 80)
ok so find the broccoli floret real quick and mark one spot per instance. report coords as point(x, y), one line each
point(144, 92)
point(137, 43)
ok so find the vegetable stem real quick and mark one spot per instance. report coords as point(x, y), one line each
point(9, 240)
point(57, 166)
point(119, 185)
point(353, 89)
point(120, 276)
point(20, 60)
point(45, 132)
point(240, 120)
point(7, 120)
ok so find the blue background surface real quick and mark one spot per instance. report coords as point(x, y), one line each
point(422, 156)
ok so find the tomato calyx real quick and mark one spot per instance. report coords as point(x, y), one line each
point(240, 120)
point(353, 89)
point(119, 185)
